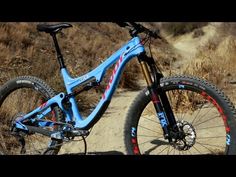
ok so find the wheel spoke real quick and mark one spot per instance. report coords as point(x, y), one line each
point(197, 114)
point(150, 130)
point(206, 121)
point(162, 150)
point(196, 149)
point(208, 127)
point(206, 144)
point(149, 136)
point(151, 119)
point(150, 111)
point(203, 116)
point(171, 149)
point(19, 102)
point(211, 137)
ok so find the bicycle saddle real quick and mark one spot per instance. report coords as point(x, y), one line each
point(47, 28)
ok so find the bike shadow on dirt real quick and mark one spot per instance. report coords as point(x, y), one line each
point(97, 153)
point(157, 143)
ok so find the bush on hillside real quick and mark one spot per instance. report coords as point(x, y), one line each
point(179, 28)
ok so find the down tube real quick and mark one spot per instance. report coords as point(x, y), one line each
point(110, 89)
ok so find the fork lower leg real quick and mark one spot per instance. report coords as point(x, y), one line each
point(155, 99)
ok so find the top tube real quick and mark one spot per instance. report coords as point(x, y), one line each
point(133, 48)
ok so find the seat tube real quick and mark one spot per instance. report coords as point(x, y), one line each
point(59, 55)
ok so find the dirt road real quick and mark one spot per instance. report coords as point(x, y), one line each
point(106, 136)
point(187, 46)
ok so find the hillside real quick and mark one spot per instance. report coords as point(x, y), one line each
point(25, 51)
point(210, 56)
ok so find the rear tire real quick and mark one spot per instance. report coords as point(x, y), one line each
point(193, 100)
point(21, 95)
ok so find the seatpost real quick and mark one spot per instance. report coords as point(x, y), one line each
point(59, 55)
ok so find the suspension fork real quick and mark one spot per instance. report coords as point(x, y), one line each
point(158, 96)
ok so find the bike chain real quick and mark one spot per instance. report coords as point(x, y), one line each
point(64, 142)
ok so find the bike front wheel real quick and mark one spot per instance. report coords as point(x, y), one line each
point(203, 113)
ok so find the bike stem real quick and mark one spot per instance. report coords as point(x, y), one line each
point(158, 96)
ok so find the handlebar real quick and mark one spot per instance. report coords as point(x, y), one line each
point(138, 28)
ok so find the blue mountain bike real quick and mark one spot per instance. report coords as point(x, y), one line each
point(172, 115)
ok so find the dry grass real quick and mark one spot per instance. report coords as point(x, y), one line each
point(180, 28)
point(25, 51)
point(212, 65)
point(216, 61)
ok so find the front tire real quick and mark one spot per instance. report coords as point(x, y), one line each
point(195, 102)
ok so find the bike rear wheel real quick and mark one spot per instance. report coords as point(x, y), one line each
point(203, 113)
point(18, 97)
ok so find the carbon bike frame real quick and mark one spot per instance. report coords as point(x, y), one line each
point(130, 50)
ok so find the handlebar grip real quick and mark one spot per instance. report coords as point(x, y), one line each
point(156, 34)
point(140, 29)
point(121, 24)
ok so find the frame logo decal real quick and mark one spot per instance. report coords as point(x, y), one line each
point(112, 76)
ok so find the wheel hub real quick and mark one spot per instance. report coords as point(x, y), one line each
point(186, 136)
point(13, 128)
point(19, 135)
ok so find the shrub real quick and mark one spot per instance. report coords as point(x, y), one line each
point(179, 28)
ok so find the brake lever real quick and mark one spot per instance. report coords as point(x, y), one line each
point(156, 34)
point(121, 24)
